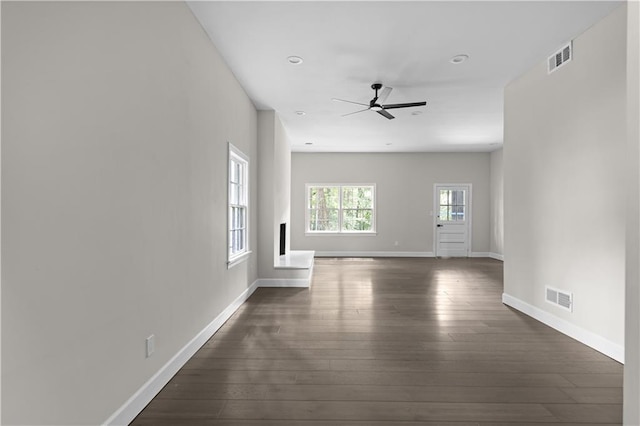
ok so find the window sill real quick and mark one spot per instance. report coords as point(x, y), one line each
point(340, 234)
point(236, 260)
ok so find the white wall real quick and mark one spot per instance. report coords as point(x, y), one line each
point(564, 151)
point(266, 220)
point(274, 153)
point(404, 197)
point(496, 246)
point(116, 118)
point(282, 187)
point(632, 296)
point(0, 227)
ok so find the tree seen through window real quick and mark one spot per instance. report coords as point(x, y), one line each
point(341, 208)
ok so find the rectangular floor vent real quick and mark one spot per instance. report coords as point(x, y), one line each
point(560, 298)
point(560, 58)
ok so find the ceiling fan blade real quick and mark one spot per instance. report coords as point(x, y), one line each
point(384, 94)
point(350, 102)
point(407, 105)
point(385, 114)
point(351, 113)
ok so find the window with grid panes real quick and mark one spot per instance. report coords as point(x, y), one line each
point(238, 215)
point(339, 208)
point(451, 205)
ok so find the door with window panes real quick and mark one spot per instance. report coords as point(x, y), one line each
point(452, 220)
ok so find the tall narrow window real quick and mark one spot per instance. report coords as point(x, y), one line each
point(340, 209)
point(238, 219)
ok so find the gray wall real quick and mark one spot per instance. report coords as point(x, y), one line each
point(632, 296)
point(116, 118)
point(404, 198)
point(0, 235)
point(497, 204)
point(564, 151)
point(275, 191)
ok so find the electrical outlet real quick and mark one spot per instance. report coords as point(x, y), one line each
point(151, 345)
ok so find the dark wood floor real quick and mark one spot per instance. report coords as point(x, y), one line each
point(390, 342)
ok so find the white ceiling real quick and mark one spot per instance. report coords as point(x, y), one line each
point(347, 46)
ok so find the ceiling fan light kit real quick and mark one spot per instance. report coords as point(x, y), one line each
point(377, 103)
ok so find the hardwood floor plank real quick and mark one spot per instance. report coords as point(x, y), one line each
point(443, 347)
point(431, 379)
point(459, 394)
point(595, 395)
point(396, 411)
point(243, 422)
point(233, 376)
point(587, 413)
point(304, 364)
point(276, 349)
point(180, 408)
point(215, 391)
point(349, 336)
point(595, 380)
point(474, 366)
point(405, 365)
point(559, 423)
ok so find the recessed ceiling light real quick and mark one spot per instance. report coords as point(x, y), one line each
point(388, 143)
point(308, 143)
point(300, 113)
point(416, 113)
point(295, 60)
point(458, 59)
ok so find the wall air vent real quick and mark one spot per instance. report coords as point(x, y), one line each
point(559, 298)
point(560, 58)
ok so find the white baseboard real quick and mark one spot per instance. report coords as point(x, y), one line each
point(479, 254)
point(590, 339)
point(374, 254)
point(398, 254)
point(134, 405)
point(283, 282)
point(496, 256)
point(487, 254)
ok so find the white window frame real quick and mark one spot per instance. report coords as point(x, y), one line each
point(307, 209)
point(238, 157)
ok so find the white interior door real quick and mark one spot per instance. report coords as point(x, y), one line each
point(452, 220)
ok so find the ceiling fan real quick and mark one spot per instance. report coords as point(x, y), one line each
point(376, 103)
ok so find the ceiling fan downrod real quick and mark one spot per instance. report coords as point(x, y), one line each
point(373, 105)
